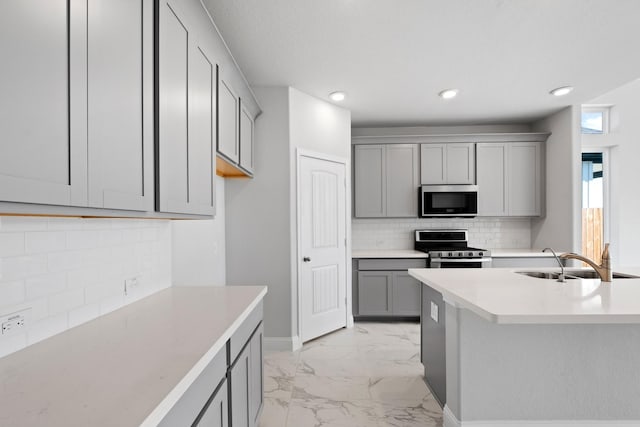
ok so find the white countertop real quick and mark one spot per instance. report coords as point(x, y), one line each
point(388, 253)
point(127, 368)
point(500, 295)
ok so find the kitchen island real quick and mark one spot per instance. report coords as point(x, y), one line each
point(527, 351)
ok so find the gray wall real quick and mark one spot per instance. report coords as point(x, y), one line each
point(435, 130)
point(258, 216)
point(560, 227)
point(261, 213)
point(319, 127)
point(623, 140)
point(542, 372)
point(199, 247)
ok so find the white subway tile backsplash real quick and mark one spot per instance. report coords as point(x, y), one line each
point(44, 241)
point(11, 244)
point(15, 268)
point(22, 223)
point(71, 270)
point(80, 239)
point(66, 301)
point(45, 285)
point(11, 293)
point(398, 233)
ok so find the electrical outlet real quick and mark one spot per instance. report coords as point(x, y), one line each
point(15, 321)
point(130, 284)
point(434, 311)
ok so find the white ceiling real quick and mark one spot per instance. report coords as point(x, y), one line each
point(392, 57)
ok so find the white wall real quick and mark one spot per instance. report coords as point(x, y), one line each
point(624, 140)
point(258, 215)
point(70, 270)
point(560, 228)
point(199, 247)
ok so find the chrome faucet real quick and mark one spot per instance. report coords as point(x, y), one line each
point(603, 270)
point(561, 277)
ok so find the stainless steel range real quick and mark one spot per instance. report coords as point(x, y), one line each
point(448, 248)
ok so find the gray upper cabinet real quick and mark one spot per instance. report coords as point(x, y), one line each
point(386, 180)
point(77, 111)
point(187, 109)
point(524, 177)
point(492, 179)
point(228, 122)
point(450, 163)
point(43, 111)
point(246, 139)
point(509, 179)
point(120, 104)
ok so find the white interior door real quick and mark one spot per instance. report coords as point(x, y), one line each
point(322, 251)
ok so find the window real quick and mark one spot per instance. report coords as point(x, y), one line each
point(595, 120)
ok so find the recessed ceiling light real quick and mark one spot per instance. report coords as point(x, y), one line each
point(448, 93)
point(561, 91)
point(337, 96)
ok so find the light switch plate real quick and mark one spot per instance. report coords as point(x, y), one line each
point(434, 311)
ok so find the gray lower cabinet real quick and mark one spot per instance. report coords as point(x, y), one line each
point(433, 342)
point(382, 287)
point(187, 88)
point(216, 413)
point(229, 391)
point(246, 383)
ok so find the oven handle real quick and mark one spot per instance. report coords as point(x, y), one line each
point(460, 260)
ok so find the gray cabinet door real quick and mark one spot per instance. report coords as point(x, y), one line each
point(120, 104)
point(370, 186)
point(402, 177)
point(406, 295)
point(524, 173)
point(228, 129)
point(451, 163)
point(43, 102)
point(460, 163)
point(216, 413)
point(256, 374)
point(492, 179)
point(246, 139)
point(375, 293)
point(187, 92)
point(239, 380)
point(432, 164)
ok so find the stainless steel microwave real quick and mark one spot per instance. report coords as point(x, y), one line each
point(448, 201)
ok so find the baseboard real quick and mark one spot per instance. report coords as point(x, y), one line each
point(282, 343)
point(450, 420)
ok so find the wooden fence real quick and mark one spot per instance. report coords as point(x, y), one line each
point(592, 233)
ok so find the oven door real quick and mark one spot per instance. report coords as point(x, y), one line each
point(460, 262)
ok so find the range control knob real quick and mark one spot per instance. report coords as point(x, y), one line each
point(470, 253)
point(450, 254)
point(480, 253)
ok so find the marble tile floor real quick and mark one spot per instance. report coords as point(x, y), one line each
point(369, 375)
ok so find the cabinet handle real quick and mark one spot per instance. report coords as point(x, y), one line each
point(306, 259)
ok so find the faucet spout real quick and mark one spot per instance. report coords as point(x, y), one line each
point(561, 277)
point(603, 270)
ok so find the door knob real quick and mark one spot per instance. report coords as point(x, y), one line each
point(306, 259)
